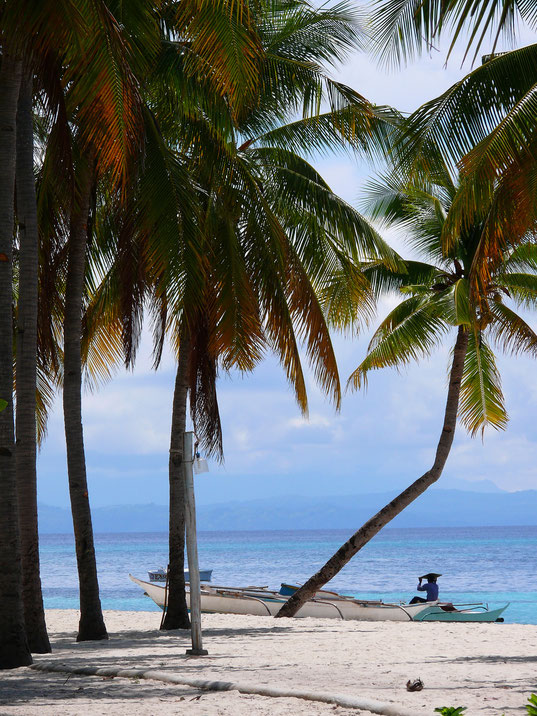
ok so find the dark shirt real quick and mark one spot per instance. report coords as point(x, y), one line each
point(432, 590)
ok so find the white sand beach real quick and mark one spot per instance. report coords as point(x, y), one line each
point(490, 668)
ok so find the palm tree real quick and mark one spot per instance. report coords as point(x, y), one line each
point(81, 46)
point(216, 42)
point(259, 293)
point(74, 127)
point(14, 649)
point(26, 371)
point(437, 299)
point(270, 234)
point(255, 294)
point(91, 625)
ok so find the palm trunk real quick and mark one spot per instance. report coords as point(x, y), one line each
point(176, 616)
point(397, 505)
point(26, 433)
point(91, 625)
point(14, 651)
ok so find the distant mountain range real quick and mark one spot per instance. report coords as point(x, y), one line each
point(435, 508)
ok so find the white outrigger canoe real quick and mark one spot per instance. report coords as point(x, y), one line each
point(260, 601)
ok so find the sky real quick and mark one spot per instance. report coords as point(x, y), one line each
point(380, 441)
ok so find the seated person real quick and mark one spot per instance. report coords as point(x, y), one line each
point(431, 587)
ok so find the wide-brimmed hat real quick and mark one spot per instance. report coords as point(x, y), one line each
point(430, 575)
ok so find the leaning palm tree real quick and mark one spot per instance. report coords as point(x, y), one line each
point(437, 302)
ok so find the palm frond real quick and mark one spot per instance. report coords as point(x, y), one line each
point(521, 287)
point(47, 384)
point(418, 209)
point(346, 298)
point(103, 96)
point(493, 95)
point(507, 141)
point(511, 332)
point(384, 280)
point(481, 402)
point(500, 213)
point(203, 373)
point(239, 326)
point(402, 29)
point(312, 328)
point(297, 30)
point(461, 300)
point(223, 44)
point(521, 258)
point(410, 332)
point(297, 190)
point(359, 127)
point(102, 353)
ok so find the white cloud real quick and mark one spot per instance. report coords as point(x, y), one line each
point(128, 418)
point(313, 421)
point(510, 461)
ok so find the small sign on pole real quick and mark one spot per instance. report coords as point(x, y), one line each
point(200, 465)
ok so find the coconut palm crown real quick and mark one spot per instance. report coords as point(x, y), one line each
point(484, 124)
point(437, 297)
point(274, 238)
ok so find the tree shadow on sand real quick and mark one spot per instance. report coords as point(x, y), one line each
point(489, 659)
point(27, 686)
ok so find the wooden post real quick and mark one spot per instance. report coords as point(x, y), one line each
point(192, 549)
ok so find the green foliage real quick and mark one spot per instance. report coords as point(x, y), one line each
point(3, 404)
point(531, 706)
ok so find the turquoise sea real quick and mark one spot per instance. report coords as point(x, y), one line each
point(491, 564)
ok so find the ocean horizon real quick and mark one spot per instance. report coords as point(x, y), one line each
point(494, 565)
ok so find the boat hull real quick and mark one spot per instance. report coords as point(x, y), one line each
point(262, 602)
point(436, 614)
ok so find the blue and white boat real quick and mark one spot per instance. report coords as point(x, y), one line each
point(325, 605)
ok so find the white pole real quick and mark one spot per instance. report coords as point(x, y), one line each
point(192, 549)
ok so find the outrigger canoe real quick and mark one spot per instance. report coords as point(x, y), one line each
point(260, 601)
